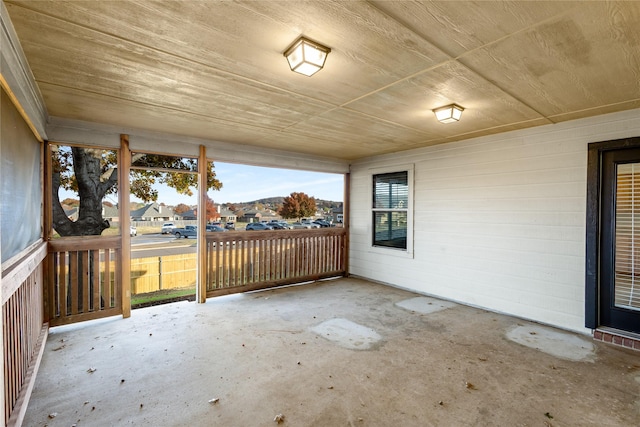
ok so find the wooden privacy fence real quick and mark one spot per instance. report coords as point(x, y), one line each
point(163, 272)
point(83, 279)
point(250, 260)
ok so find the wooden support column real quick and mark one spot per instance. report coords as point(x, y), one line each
point(201, 283)
point(346, 207)
point(47, 225)
point(124, 165)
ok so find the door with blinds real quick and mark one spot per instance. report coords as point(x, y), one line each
point(620, 241)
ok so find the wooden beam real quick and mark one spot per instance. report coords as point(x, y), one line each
point(125, 221)
point(47, 221)
point(201, 283)
point(346, 207)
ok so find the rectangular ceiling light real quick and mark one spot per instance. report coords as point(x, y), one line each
point(306, 57)
point(449, 114)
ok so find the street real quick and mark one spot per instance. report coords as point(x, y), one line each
point(152, 245)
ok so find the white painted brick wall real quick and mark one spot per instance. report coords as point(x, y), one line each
point(499, 221)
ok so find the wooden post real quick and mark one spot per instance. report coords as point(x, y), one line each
point(47, 226)
point(124, 166)
point(201, 282)
point(345, 220)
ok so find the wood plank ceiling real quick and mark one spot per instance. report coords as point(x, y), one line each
point(215, 70)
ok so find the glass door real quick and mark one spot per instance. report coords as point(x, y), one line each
point(620, 241)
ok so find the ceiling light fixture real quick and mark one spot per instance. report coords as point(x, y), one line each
point(306, 56)
point(449, 114)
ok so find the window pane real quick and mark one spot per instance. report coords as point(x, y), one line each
point(627, 249)
point(390, 229)
point(391, 191)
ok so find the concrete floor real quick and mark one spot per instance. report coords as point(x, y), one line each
point(338, 353)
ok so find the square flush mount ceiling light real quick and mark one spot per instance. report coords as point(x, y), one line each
point(449, 114)
point(306, 56)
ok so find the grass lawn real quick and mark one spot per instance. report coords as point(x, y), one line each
point(162, 297)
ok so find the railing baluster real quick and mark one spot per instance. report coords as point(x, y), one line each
point(106, 281)
point(95, 279)
point(83, 303)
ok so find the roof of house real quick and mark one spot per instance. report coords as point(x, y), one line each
point(152, 210)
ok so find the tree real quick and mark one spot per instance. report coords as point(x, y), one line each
point(181, 208)
point(211, 209)
point(297, 205)
point(92, 173)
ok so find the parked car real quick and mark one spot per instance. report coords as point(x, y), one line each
point(167, 228)
point(310, 223)
point(230, 225)
point(300, 225)
point(322, 223)
point(186, 232)
point(215, 227)
point(258, 226)
point(280, 225)
point(133, 231)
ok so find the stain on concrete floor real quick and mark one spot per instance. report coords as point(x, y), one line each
point(348, 334)
point(554, 342)
point(425, 305)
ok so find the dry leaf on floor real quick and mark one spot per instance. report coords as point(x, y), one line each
point(53, 415)
point(91, 370)
point(279, 418)
point(214, 400)
point(470, 386)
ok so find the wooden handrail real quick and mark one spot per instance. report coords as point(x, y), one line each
point(84, 243)
point(245, 236)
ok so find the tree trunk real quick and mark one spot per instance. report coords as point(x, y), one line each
point(91, 190)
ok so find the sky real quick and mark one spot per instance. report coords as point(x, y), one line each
point(242, 183)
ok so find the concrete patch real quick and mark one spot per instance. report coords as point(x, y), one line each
point(347, 334)
point(425, 305)
point(556, 343)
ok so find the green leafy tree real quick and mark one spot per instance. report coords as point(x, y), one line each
point(92, 173)
point(297, 205)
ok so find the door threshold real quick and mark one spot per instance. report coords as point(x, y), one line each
point(617, 337)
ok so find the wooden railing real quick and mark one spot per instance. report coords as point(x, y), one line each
point(83, 279)
point(24, 331)
point(250, 260)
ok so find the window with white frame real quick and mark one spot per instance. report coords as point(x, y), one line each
point(391, 210)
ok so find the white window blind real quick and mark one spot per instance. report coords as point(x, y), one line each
point(390, 209)
point(627, 244)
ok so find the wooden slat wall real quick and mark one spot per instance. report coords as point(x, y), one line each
point(242, 261)
point(84, 280)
